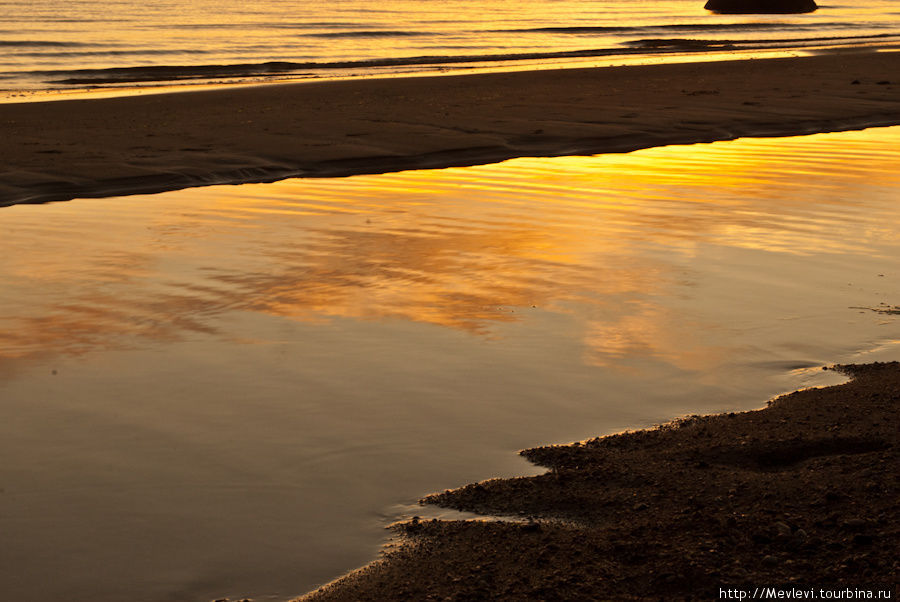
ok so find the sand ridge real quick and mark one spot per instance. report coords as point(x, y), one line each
point(143, 144)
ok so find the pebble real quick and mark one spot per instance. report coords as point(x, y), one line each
point(861, 539)
point(782, 529)
point(855, 523)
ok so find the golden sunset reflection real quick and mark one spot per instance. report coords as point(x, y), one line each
point(604, 238)
point(277, 367)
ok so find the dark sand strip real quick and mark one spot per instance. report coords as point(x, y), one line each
point(101, 147)
point(806, 491)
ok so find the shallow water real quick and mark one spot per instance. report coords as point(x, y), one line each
point(48, 44)
point(229, 391)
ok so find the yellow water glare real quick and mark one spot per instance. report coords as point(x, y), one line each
point(467, 248)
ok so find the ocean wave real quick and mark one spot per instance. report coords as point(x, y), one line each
point(693, 44)
point(288, 25)
point(680, 44)
point(697, 27)
point(114, 53)
point(46, 19)
point(369, 34)
point(163, 73)
point(40, 44)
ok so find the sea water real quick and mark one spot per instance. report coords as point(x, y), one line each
point(231, 391)
point(46, 44)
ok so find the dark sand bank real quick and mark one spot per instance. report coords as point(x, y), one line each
point(101, 147)
point(804, 491)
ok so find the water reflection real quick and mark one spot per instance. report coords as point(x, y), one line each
point(461, 248)
point(314, 352)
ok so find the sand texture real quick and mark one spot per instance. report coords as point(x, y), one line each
point(100, 147)
point(804, 491)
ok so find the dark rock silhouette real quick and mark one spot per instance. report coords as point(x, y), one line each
point(761, 6)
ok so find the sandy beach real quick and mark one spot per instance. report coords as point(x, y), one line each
point(802, 493)
point(59, 150)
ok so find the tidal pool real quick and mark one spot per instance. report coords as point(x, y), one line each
point(230, 391)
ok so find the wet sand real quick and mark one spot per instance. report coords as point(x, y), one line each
point(102, 147)
point(802, 492)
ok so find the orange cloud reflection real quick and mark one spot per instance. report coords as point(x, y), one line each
point(609, 238)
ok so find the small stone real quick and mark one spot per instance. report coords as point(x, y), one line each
point(769, 560)
point(761, 538)
point(855, 524)
point(782, 530)
point(801, 534)
point(863, 539)
point(531, 526)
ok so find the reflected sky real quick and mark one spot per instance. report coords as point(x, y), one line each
point(461, 248)
point(249, 378)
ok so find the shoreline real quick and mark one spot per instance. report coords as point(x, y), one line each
point(54, 151)
point(800, 493)
point(609, 492)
